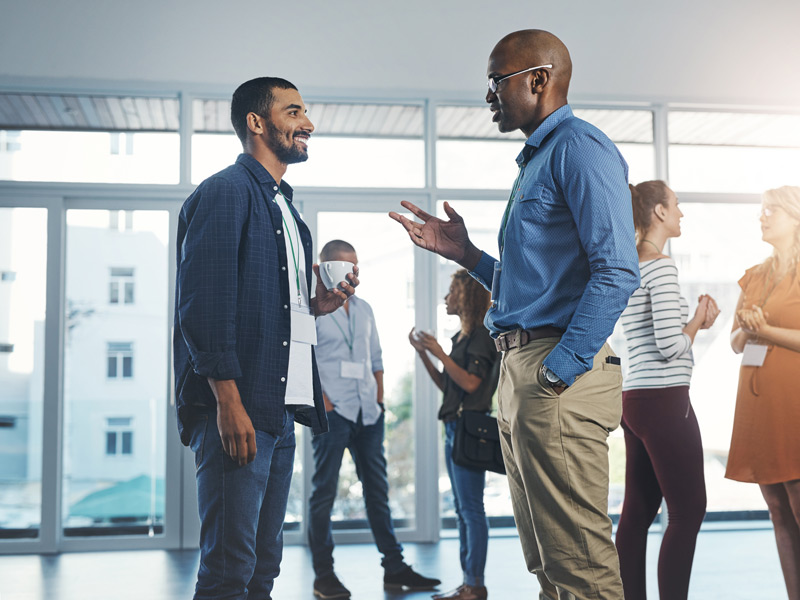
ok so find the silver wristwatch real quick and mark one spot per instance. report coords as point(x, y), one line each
point(551, 378)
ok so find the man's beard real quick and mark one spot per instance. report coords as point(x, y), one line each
point(287, 154)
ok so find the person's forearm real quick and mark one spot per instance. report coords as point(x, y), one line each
point(434, 373)
point(225, 391)
point(739, 338)
point(472, 256)
point(781, 336)
point(466, 381)
point(692, 327)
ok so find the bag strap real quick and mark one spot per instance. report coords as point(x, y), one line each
point(463, 392)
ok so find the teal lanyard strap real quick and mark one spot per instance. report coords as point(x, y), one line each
point(509, 204)
point(351, 320)
point(291, 245)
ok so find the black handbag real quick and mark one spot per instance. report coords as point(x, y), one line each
point(477, 442)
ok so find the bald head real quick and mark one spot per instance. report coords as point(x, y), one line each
point(521, 96)
point(533, 47)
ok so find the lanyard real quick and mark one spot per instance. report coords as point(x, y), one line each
point(351, 325)
point(509, 204)
point(295, 256)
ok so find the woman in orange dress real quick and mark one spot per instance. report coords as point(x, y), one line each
point(765, 446)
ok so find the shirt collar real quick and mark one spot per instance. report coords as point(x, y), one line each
point(263, 176)
point(553, 120)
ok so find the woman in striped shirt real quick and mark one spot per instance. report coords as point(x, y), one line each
point(664, 453)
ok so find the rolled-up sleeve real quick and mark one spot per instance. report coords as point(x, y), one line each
point(481, 354)
point(208, 271)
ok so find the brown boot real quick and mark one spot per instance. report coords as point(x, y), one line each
point(464, 592)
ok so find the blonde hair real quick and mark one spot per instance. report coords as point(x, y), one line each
point(644, 198)
point(787, 198)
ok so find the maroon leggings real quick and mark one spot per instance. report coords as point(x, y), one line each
point(664, 458)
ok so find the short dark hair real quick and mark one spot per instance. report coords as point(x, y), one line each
point(254, 96)
point(334, 248)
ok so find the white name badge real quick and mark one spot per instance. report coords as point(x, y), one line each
point(304, 328)
point(352, 370)
point(754, 355)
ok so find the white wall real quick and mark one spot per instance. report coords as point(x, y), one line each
point(734, 51)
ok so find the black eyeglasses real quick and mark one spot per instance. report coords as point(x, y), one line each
point(495, 81)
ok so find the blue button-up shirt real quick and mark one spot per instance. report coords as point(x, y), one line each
point(569, 259)
point(336, 332)
point(232, 306)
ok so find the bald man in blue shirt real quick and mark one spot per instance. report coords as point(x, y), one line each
point(567, 266)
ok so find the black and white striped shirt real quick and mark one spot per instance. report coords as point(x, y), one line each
point(659, 353)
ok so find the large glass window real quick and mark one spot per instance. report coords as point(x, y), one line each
point(23, 268)
point(353, 145)
point(115, 415)
point(472, 154)
point(386, 263)
point(733, 152)
point(88, 156)
point(92, 139)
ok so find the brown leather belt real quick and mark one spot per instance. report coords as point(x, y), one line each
point(520, 337)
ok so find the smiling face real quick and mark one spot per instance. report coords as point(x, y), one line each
point(288, 129)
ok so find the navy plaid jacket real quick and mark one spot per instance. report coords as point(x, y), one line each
point(232, 314)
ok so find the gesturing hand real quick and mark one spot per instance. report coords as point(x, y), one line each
point(448, 239)
point(431, 345)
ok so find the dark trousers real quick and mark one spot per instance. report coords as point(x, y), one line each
point(242, 511)
point(365, 443)
point(664, 459)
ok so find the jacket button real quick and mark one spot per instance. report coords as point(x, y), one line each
point(285, 343)
point(275, 187)
point(283, 268)
point(285, 306)
point(278, 231)
point(283, 379)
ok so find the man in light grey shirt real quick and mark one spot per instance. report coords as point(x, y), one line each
point(351, 370)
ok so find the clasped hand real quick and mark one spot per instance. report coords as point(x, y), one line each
point(707, 307)
point(752, 320)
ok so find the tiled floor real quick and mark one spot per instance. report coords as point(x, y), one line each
point(729, 565)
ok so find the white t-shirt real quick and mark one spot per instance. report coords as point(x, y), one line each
point(299, 380)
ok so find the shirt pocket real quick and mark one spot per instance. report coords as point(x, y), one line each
point(536, 203)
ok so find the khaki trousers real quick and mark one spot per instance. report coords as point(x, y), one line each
point(555, 450)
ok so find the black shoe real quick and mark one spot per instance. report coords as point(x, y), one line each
point(329, 587)
point(408, 580)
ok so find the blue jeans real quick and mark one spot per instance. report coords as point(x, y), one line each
point(241, 512)
point(365, 443)
point(473, 527)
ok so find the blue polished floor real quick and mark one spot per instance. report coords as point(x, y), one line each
point(729, 565)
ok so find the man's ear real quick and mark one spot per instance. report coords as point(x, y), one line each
point(255, 123)
point(539, 80)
